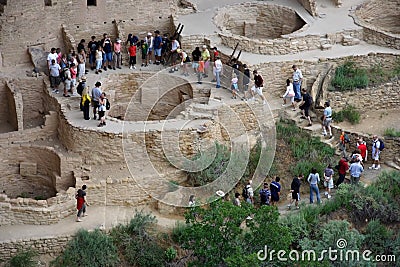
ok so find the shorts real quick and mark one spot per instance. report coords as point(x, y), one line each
point(235, 87)
point(245, 87)
point(376, 155)
point(329, 184)
point(296, 196)
point(101, 114)
point(195, 65)
point(274, 198)
point(306, 109)
point(201, 66)
point(55, 81)
point(291, 98)
point(327, 122)
point(67, 84)
point(157, 52)
point(257, 90)
point(107, 57)
point(73, 83)
point(149, 50)
point(95, 104)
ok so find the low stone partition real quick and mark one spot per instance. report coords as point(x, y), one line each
point(310, 6)
point(380, 21)
point(30, 211)
point(50, 245)
point(385, 96)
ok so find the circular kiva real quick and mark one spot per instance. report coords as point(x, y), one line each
point(236, 125)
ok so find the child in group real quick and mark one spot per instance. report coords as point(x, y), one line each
point(234, 86)
point(132, 56)
point(99, 59)
point(289, 94)
point(144, 47)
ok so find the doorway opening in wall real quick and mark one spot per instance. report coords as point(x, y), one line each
point(48, 3)
point(91, 3)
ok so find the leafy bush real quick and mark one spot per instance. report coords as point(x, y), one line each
point(308, 151)
point(88, 249)
point(217, 237)
point(137, 242)
point(378, 238)
point(391, 132)
point(170, 254)
point(239, 164)
point(349, 77)
point(349, 113)
point(24, 259)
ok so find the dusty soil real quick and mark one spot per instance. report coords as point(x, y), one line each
point(374, 122)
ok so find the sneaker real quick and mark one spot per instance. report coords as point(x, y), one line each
point(97, 72)
point(100, 71)
point(78, 220)
point(113, 68)
point(377, 167)
point(171, 71)
point(100, 125)
point(104, 123)
point(109, 66)
point(329, 196)
point(297, 207)
point(289, 206)
point(105, 68)
point(199, 82)
point(283, 105)
point(54, 90)
point(326, 193)
point(218, 86)
point(310, 124)
point(64, 95)
point(331, 136)
point(85, 214)
point(119, 68)
point(142, 65)
point(130, 67)
point(294, 109)
point(134, 67)
point(75, 94)
point(94, 117)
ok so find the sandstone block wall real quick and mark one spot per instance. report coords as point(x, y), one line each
point(21, 18)
point(50, 245)
point(258, 20)
point(8, 115)
point(380, 21)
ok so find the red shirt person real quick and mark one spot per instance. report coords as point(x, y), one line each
point(363, 148)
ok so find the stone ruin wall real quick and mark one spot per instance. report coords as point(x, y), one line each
point(28, 18)
point(380, 22)
point(49, 245)
point(310, 6)
point(260, 21)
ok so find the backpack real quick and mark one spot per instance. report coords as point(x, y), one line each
point(264, 196)
point(245, 194)
point(108, 105)
point(381, 145)
point(346, 138)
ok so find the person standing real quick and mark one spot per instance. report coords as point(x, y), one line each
point(52, 55)
point(313, 180)
point(328, 180)
point(174, 52)
point(236, 200)
point(96, 94)
point(102, 109)
point(55, 79)
point(157, 45)
point(327, 119)
point(297, 80)
point(362, 146)
point(196, 56)
point(85, 102)
point(107, 46)
point(81, 63)
point(246, 82)
point(67, 80)
point(218, 71)
point(99, 59)
point(343, 166)
point(149, 40)
point(143, 48)
point(275, 188)
point(73, 78)
point(356, 169)
point(289, 94)
point(305, 106)
point(295, 190)
point(92, 46)
point(132, 56)
point(117, 54)
point(192, 201)
point(205, 61)
point(265, 195)
point(376, 151)
point(248, 193)
point(258, 86)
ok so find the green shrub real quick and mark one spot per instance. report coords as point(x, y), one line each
point(349, 113)
point(138, 243)
point(178, 232)
point(349, 77)
point(88, 249)
point(391, 132)
point(378, 238)
point(170, 254)
point(24, 259)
